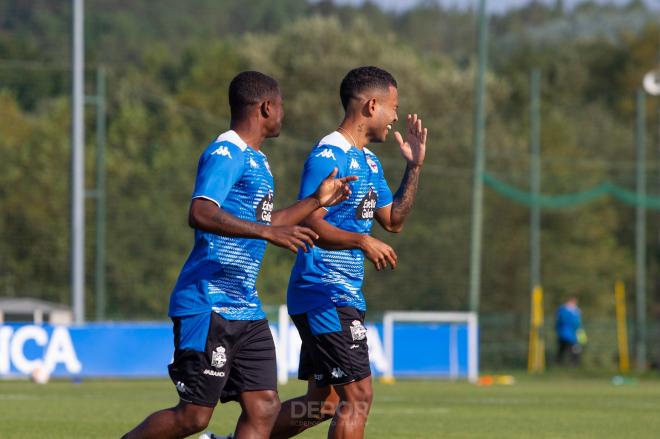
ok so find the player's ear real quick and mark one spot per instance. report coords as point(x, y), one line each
point(264, 108)
point(369, 107)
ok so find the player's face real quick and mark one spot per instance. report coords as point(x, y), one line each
point(385, 115)
point(276, 116)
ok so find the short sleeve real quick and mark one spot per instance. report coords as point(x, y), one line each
point(384, 192)
point(219, 168)
point(319, 164)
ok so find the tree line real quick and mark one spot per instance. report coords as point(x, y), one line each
point(168, 71)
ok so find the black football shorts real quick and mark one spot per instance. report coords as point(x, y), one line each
point(334, 347)
point(218, 359)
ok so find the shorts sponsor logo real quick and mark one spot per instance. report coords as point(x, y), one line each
point(337, 373)
point(265, 208)
point(318, 376)
point(218, 358)
point(327, 154)
point(366, 208)
point(223, 151)
point(358, 331)
point(213, 373)
point(355, 346)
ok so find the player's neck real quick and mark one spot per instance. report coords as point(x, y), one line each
point(354, 131)
point(249, 132)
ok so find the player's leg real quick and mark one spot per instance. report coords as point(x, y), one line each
point(351, 417)
point(575, 352)
point(561, 351)
point(198, 372)
point(259, 411)
point(320, 401)
point(173, 423)
point(252, 381)
point(299, 414)
point(351, 377)
point(336, 342)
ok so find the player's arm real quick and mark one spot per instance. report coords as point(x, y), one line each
point(207, 216)
point(392, 216)
point(331, 191)
point(317, 166)
point(219, 168)
point(334, 238)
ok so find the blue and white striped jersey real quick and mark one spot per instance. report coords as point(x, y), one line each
point(322, 278)
point(221, 272)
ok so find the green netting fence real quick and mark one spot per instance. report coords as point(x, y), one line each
point(572, 199)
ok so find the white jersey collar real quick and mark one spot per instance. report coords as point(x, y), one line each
point(233, 137)
point(335, 138)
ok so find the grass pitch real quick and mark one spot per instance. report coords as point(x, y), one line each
point(538, 408)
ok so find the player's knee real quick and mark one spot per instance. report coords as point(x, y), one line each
point(269, 406)
point(194, 421)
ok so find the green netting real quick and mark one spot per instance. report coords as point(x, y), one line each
point(573, 199)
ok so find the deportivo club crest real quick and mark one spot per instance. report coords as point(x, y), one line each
point(372, 165)
point(219, 358)
point(358, 331)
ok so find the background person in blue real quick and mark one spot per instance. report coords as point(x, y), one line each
point(223, 345)
point(568, 326)
point(325, 290)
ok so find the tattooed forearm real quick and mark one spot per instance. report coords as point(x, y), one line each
point(405, 196)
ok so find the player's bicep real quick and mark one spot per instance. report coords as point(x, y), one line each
point(384, 216)
point(217, 172)
point(385, 197)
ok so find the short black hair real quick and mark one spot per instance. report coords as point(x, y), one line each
point(249, 88)
point(364, 78)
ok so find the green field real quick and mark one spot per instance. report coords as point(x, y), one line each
point(558, 407)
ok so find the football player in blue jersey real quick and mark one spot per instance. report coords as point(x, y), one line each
point(324, 296)
point(224, 349)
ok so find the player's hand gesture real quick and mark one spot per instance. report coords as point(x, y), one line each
point(333, 190)
point(414, 147)
point(379, 253)
point(291, 237)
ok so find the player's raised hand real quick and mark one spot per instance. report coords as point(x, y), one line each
point(291, 237)
point(333, 190)
point(413, 149)
point(379, 253)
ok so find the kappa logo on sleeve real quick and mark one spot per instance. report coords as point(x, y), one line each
point(326, 153)
point(222, 151)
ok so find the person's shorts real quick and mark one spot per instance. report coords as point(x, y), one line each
point(218, 359)
point(334, 347)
